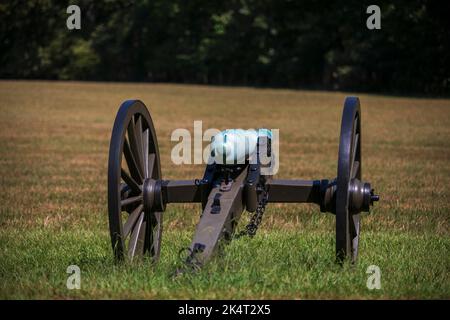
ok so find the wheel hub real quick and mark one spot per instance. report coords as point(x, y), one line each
point(361, 196)
point(152, 195)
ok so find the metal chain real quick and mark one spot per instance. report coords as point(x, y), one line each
point(256, 219)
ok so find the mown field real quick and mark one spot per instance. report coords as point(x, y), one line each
point(54, 139)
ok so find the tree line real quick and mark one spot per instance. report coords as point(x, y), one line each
point(286, 43)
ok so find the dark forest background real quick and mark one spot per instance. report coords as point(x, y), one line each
point(297, 44)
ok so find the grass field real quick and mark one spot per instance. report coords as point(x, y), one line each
point(54, 139)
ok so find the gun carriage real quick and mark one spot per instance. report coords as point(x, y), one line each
point(138, 194)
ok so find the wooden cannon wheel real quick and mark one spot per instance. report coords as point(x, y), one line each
point(349, 167)
point(134, 167)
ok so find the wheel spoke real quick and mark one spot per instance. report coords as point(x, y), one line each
point(131, 162)
point(354, 152)
point(140, 245)
point(354, 234)
point(354, 225)
point(136, 236)
point(155, 233)
point(151, 164)
point(131, 221)
point(130, 181)
point(355, 146)
point(135, 146)
point(145, 150)
point(355, 170)
point(139, 139)
point(130, 200)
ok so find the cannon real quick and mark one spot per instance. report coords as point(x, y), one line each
point(138, 194)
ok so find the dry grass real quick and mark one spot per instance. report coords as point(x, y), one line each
point(54, 139)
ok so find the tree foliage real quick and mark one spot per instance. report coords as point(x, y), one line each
point(285, 43)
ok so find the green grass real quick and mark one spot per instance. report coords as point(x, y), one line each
point(54, 139)
point(273, 265)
